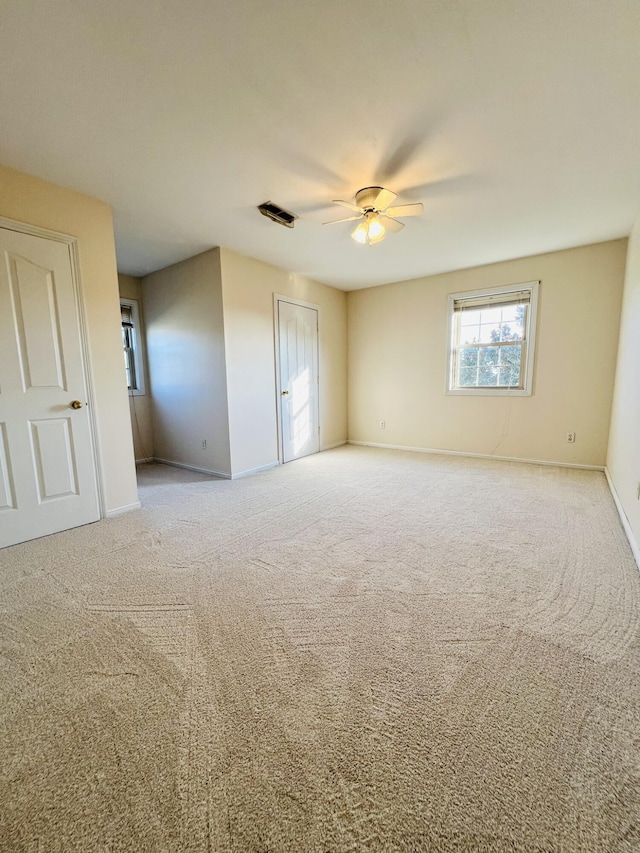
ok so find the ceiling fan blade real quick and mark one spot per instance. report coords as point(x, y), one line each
point(405, 210)
point(346, 219)
point(347, 204)
point(384, 198)
point(390, 224)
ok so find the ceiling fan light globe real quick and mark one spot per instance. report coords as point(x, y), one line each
point(360, 234)
point(376, 229)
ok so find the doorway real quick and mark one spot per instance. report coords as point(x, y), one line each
point(298, 381)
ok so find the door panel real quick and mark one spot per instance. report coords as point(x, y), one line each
point(298, 351)
point(37, 326)
point(47, 464)
point(53, 458)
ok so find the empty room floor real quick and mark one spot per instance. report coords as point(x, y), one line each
point(362, 650)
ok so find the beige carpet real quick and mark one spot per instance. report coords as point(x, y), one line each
point(362, 650)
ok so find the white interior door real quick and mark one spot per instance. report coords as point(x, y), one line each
point(298, 357)
point(47, 465)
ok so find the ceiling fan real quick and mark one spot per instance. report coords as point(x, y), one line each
point(372, 207)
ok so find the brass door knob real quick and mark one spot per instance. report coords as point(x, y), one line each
point(75, 404)
point(284, 393)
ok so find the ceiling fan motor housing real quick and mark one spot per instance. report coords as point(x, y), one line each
point(366, 198)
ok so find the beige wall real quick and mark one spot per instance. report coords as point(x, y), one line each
point(28, 199)
point(139, 404)
point(398, 350)
point(623, 459)
point(186, 361)
point(248, 287)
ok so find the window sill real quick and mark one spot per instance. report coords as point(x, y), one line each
point(489, 392)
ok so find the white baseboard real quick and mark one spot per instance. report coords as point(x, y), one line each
point(144, 460)
point(120, 510)
point(623, 518)
point(478, 455)
point(225, 475)
point(335, 444)
point(250, 471)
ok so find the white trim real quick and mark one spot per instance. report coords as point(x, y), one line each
point(86, 355)
point(335, 444)
point(35, 230)
point(530, 341)
point(276, 365)
point(85, 351)
point(257, 470)
point(225, 475)
point(120, 510)
point(279, 297)
point(144, 460)
point(623, 518)
point(479, 455)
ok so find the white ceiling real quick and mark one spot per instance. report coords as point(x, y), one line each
point(515, 122)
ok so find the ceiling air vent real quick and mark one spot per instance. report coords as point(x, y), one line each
point(278, 214)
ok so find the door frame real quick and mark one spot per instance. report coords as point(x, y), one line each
point(81, 320)
point(280, 297)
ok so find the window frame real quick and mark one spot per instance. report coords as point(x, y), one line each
point(136, 335)
point(528, 346)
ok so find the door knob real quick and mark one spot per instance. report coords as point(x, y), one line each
point(75, 404)
point(284, 393)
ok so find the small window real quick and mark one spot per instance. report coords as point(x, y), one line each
point(131, 344)
point(492, 336)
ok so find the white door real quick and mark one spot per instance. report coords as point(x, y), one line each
point(47, 465)
point(298, 353)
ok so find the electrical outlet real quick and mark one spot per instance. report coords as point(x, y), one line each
point(382, 424)
point(204, 443)
point(571, 437)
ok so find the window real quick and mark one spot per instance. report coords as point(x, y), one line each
point(492, 336)
point(131, 343)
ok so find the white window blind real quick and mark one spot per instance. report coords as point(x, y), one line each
point(498, 300)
